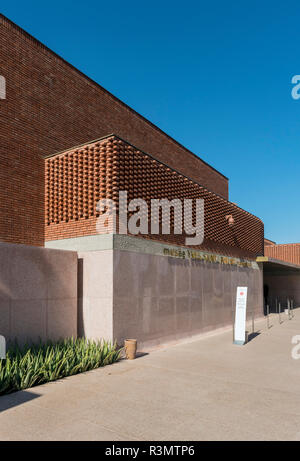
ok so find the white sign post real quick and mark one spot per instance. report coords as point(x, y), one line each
point(240, 316)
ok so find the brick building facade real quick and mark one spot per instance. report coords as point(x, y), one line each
point(51, 106)
point(119, 286)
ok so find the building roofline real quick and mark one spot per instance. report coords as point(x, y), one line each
point(269, 260)
point(286, 244)
point(269, 240)
point(64, 151)
point(4, 20)
point(111, 135)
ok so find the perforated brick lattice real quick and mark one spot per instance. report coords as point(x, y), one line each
point(77, 179)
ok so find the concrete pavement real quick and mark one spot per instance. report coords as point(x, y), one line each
point(207, 389)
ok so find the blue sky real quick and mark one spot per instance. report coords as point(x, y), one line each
point(216, 76)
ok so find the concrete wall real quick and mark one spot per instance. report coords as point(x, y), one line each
point(38, 293)
point(95, 294)
point(158, 299)
point(133, 290)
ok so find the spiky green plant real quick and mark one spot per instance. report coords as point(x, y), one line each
point(32, 365)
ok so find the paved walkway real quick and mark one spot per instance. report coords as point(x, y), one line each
point(208, 389)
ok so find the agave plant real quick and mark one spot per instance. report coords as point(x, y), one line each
point(35, 364)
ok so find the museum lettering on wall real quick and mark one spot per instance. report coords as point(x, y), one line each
point(207, 257)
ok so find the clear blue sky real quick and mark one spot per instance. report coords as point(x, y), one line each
point(214, 75)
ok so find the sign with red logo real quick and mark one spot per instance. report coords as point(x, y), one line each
point(240, 315)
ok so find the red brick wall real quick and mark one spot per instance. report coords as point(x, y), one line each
point(77, 179)
point(286, 252)
point(50, 107)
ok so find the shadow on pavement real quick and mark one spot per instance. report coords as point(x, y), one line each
point(141, 354)
point(253, 335)
point(17, 398)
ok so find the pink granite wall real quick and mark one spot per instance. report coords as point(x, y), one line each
point(159, 299)
point(38, 293)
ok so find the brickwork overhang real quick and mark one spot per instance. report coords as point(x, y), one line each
point(79, 177)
